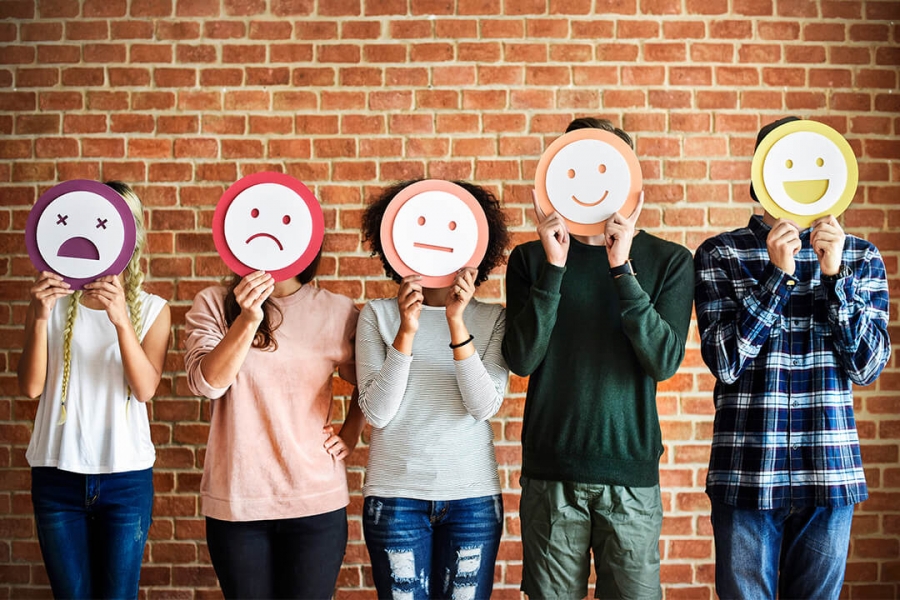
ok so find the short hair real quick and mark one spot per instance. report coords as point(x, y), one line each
point(766, 130)
point(498, 236)
point(604, 124)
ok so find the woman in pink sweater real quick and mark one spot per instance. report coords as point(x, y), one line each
point(274, 488)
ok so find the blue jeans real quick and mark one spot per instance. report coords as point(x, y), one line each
point(92, 530)
point(807, 545)
point(422, 549)
point(281, 558)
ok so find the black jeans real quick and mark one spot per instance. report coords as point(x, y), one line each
point(285, 558)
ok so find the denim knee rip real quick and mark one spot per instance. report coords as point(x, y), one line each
point(468, 564)
point(403, 574)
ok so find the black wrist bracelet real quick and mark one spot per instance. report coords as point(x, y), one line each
point(461, 344)
point(623, 269)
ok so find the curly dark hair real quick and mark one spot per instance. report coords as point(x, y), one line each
point(272, 317)
point(498, 236)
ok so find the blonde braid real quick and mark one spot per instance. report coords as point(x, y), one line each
point(71, 313)
point(134, 277)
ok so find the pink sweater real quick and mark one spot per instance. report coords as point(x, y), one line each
point(265, 457)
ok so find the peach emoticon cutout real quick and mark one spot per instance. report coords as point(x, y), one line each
point(268, 222)
point(434, 228)
point(80, 230)
point(804, 170)
point(586, 175)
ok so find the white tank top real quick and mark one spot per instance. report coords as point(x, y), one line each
point(104, 432)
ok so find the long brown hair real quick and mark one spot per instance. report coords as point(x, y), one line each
point(272, 317)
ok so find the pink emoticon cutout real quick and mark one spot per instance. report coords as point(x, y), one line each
point(80, 230)
point(587, 175)
point(268, 222)
point(434, 228)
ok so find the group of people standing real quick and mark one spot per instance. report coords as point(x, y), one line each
point(789, 319)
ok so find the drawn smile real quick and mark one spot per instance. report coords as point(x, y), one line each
point(806, 191)
point(589, 204)
point(432, 247)
point(268, 235)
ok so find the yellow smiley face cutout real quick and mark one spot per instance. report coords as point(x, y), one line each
point(804, 170)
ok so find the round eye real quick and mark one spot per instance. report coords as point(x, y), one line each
point(819, 162)
point(421, 220)
point(789, 163)
point(452, 225)
point(254, 213)
point(571, 173)
point(286, 219)
point(602, 168)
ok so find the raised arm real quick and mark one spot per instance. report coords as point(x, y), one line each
point(48, 288)
point(658, 330)
point(858, 315)
point(482, 379)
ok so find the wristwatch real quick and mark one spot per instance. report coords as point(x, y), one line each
point(844, 271)
point(624, 269)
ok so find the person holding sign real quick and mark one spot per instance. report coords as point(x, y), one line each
point(431, 374)
point(265, 348)
point(94, 342)
point(791, 312)
point(598, 315)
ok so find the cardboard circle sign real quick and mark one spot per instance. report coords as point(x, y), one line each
point(586, 175)
point(434, 228)
point(268, 222)
point(804, 170)
point(80, 230)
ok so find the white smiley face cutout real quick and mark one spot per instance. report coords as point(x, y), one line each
point(587, 175)
point(804, 170)
point(80, 230)
point(434, 228)
point(268, 222)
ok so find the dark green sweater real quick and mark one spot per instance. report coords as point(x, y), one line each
point(595, 348)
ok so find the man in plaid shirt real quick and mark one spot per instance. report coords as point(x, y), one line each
point(789, 320)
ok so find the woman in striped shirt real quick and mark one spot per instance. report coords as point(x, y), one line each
point(431, 374)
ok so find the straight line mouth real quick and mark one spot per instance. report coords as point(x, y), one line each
point(432, 247)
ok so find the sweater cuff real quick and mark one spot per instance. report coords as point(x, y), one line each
point(550, 278)
point(629, 287)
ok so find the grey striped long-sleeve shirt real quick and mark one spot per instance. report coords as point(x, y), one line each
point(431, 439)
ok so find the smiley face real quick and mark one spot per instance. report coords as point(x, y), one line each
point(587, 175)
point(269, 222)
point(804, 170)
point(81, 230)
point(434, 228)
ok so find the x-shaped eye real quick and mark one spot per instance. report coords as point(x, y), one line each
point(61, 219)
point(101, 223)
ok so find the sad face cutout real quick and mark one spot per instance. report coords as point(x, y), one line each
point(804, 170)
point(268, 222)
point(434, 228)
point(80, 230)
point(587, 175)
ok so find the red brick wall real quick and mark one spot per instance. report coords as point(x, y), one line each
point(182, 97)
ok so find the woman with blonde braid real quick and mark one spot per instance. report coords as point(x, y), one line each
point(89, 355)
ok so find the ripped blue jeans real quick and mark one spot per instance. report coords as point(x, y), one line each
point(92, 530)
point(422, 549)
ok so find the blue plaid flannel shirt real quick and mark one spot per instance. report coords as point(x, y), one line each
point(785, 351)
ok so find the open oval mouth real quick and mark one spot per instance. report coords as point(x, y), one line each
point(806, 191)
point(268, 235)
point(79, 247)
point(590, 204)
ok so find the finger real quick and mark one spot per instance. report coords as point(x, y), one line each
point(541, 216)
point(633, 217)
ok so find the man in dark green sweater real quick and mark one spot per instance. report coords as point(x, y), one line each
point(596, 322)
